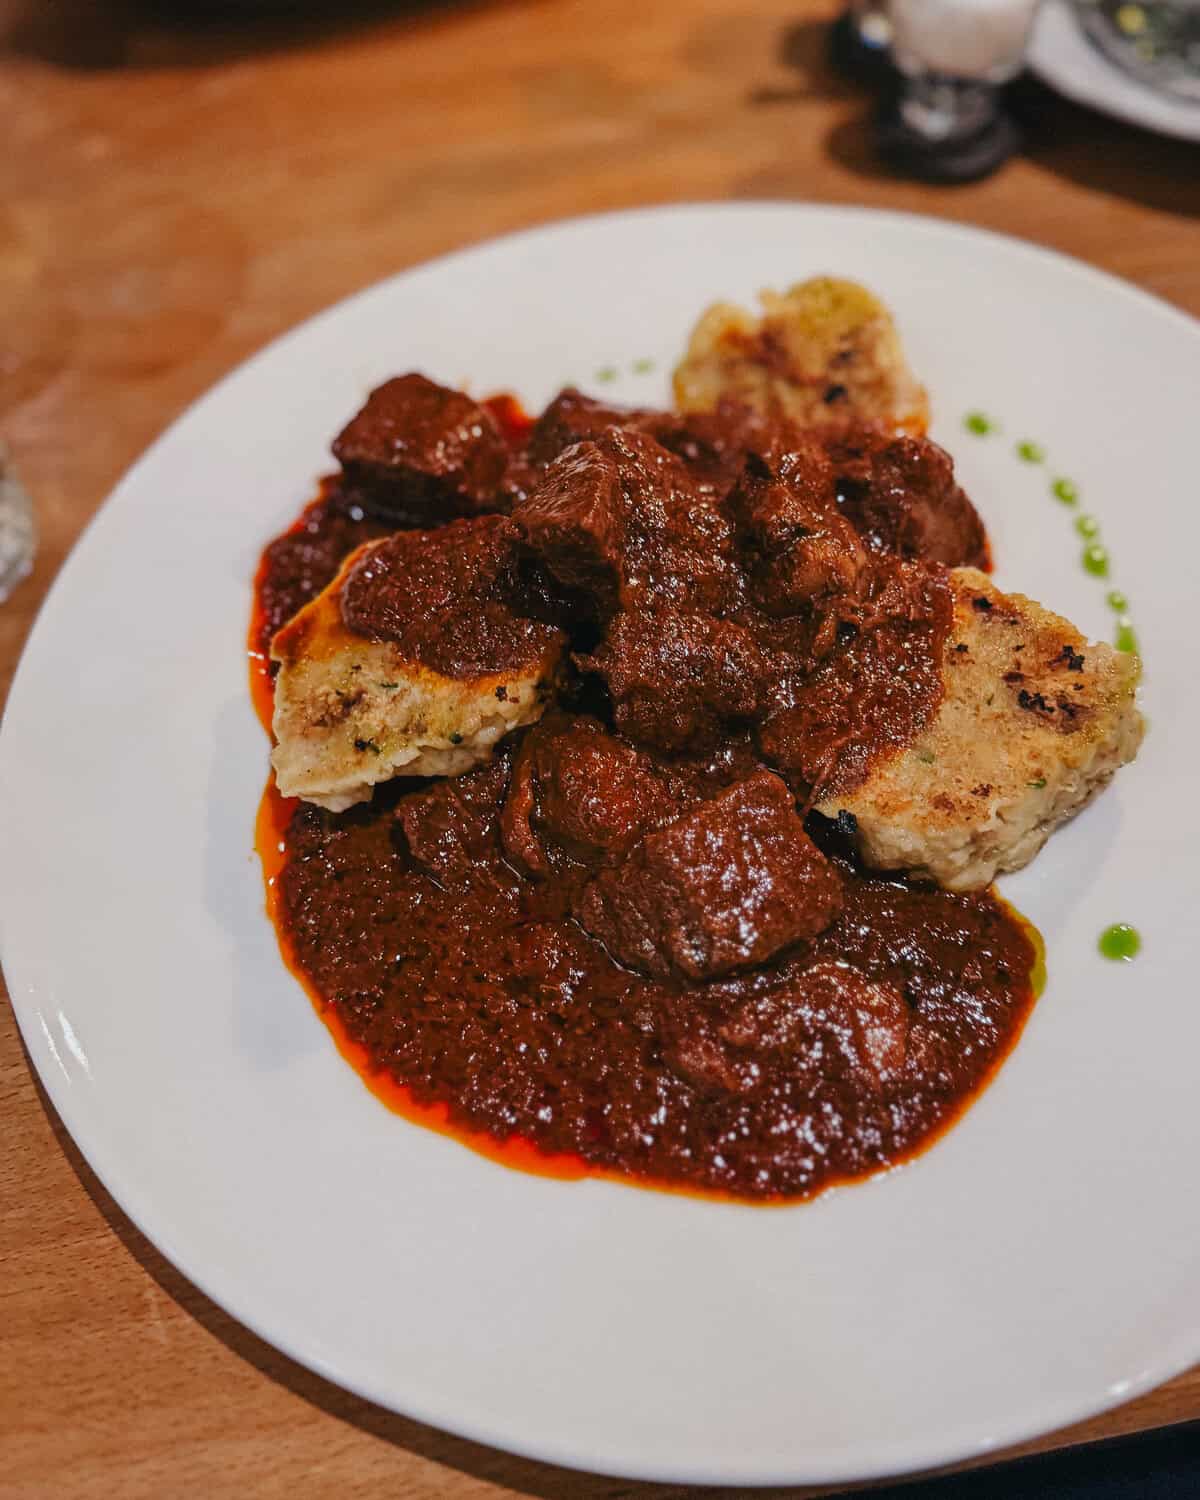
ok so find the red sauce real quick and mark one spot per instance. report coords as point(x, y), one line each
point(513, 420)
point(298, 564)
point(516, 1151)
point(270, 840)
point(471, 1001)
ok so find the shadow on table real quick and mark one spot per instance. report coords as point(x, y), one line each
point(82, 35)
point(1107, 155)
point(1098, 153)
point(803, 49)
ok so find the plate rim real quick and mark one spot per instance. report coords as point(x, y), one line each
point(1160, 117)
point(961, 1444)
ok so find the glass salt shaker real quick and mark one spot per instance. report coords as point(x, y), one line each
point(946, 121)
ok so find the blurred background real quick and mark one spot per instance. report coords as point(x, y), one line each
point(182, 181)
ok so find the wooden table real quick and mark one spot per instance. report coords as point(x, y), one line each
point(171, 196)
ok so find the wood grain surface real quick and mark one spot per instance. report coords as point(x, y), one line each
point(176, 187)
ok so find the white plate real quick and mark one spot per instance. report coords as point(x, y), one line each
point(1062, 56)
point(1036, 1265)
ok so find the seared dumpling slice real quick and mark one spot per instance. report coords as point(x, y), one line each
point(1034, 722)
point(412, 662)
point(824, 354)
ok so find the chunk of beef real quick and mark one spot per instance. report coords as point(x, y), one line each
point(800, 549)
point(902, 497)
point(711, 445)
point(578, 791)
point(619, 519)
point(714, 445)
point(725, 886)
point(783, 491)
point(418, 453)
point(446, 597)
point(520, 838)
point(574, 521)
point(450, 825)
point(571, 418)
point(676, 677)
point(875, 690)
point(707, 1065)
point(874, 1029)
point(864, 1024)
point(679, 544)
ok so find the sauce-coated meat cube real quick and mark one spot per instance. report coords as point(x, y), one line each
point(676, 676)
point(801, 549)
point(621, 521)
point(574, 522)
point(573, 417)
point(449, 826)
point(902, 497)
point(420, 453)
point(581, 792)
point(725, 886)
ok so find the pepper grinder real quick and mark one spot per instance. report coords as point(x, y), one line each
point(944, 120)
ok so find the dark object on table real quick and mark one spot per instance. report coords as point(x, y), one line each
point(984, 142)
point(858, 45)
point(942, 116)
point(1162, 1465)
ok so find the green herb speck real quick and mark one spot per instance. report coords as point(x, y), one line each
point(642, 366)
point(1095, 560)
point(1030, 453)
point(1126, 637)
point(1120, 941)
point(978, 423)
point(1038, 784)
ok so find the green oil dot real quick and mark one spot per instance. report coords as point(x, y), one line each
point(1117, 601)
point(1120, 941)
point(642, 366)
point(978, 423)
point(1126, 638)
point(1087, 526)
point(1030, 453)
point(606, 373)
point(1095, 560)
point(1066, 491)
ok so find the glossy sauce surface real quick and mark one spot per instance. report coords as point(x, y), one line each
point(471, 991)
